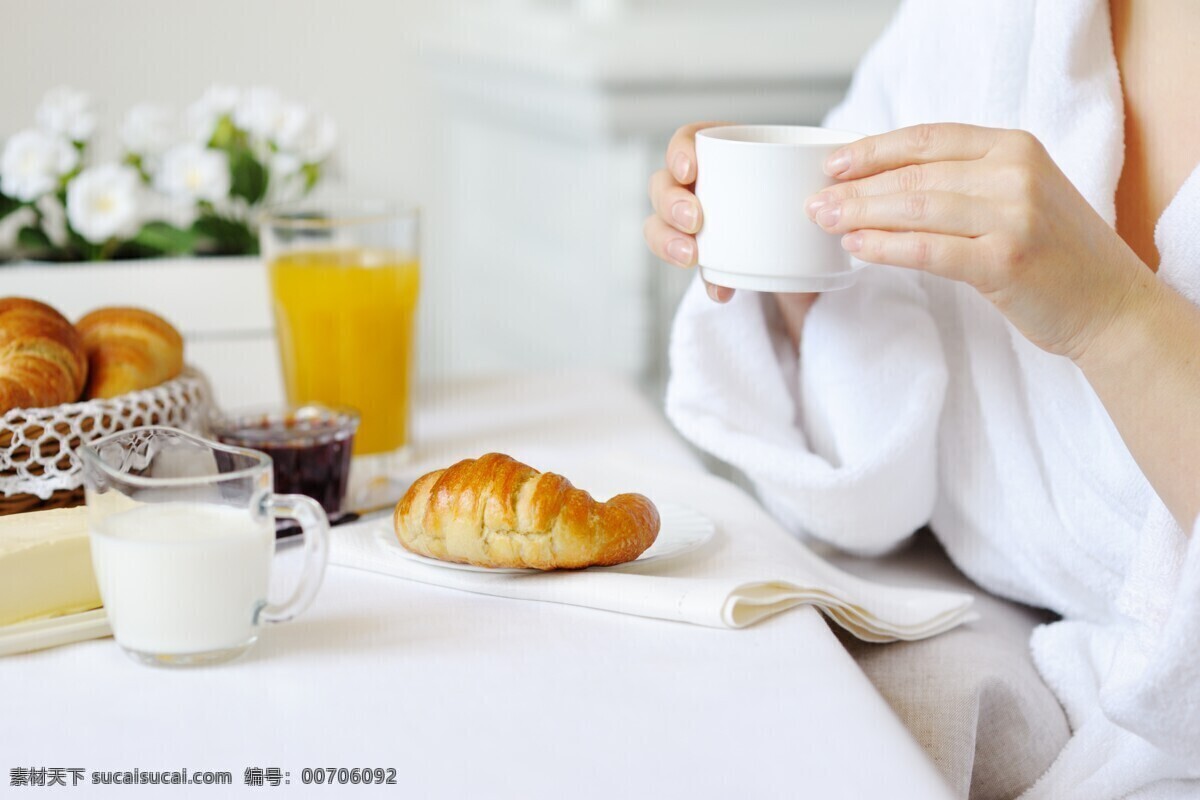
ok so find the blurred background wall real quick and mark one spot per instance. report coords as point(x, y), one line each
point(526, 129)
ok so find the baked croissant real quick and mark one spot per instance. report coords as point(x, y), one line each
point(494, 511)
point(128, 349)
point(42, 359)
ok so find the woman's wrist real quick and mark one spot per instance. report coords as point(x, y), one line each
point(793, 308)
point(1128, 329)
point(1144, 369)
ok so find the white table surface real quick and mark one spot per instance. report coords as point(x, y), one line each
point(474, 696)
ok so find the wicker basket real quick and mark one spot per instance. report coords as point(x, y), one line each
point(39, 465)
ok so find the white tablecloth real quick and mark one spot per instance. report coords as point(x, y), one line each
point(474, 696)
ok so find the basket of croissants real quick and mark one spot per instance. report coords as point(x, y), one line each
point(63, 385)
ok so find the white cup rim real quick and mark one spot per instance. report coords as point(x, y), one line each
point(779, 135)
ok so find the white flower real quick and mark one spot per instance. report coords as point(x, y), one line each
point(203, 115)
point(221, 98)
point(105, 202)
point(10, 225)
point(286, 183)
point(54, 219)
point(148, 130)
point(178, 211)
point(260, 112)
point(33, 162)
point(284, 165)
point(308, 136)
point(195, 172)
point(68, 113)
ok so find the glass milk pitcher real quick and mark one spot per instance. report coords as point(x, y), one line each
point(182, 534)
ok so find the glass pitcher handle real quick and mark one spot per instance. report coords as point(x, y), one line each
point(315, 526)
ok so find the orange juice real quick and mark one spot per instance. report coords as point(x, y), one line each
point(345, 321)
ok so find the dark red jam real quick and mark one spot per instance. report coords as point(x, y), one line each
point(310, 447)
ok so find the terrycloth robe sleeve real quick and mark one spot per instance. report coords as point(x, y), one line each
point(840, 438)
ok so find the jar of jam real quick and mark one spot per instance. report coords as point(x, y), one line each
point(310, 446)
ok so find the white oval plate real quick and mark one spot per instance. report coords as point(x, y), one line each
point(683, 530)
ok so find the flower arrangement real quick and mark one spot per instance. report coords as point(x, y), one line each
point(190, 184)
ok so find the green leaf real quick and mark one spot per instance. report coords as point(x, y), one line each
point(312, 174)
point(223, 236)
point(33, 240)
point(226, 135)
point(7, 206)
point(129, 249)
point(249, 177)
point(134, 160)
point(80, 248)
point(162, 237)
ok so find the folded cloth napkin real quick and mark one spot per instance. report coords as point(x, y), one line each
point(751, 569)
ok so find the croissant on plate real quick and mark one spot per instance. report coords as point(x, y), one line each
point(494, 511)
point(42, 357)
point(128, 349)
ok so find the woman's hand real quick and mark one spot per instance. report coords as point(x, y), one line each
point(988, 207)
point(671, 230)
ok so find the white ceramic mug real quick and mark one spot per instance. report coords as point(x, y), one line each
point(752, 182)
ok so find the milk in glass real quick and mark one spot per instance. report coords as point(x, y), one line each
point(183, 577)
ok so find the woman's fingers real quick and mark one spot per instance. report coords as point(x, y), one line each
point(931, 212)
point(949, 256)
point(677, 213)
point(964, 177)
point(680, 250)
point(919, 144)
point(681, 151)
point(718, 294)
point(669, 244)
point(674, 204)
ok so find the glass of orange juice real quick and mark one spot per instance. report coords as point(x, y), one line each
point(344, 283)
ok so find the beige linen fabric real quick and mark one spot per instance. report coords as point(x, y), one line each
point(971, 697)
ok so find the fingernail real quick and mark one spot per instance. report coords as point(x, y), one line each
point(837, 163)
point(714, 293)
point(829, 214)
point(682, 167)
point(815, 202)
point(684, 213)
point(852, 242)
point(680, 251)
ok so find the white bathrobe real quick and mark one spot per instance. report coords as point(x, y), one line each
point(913, 400)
